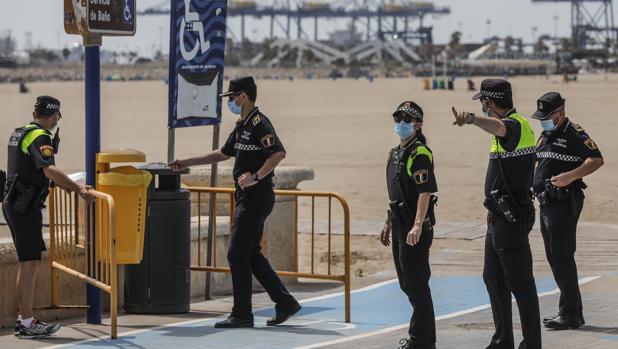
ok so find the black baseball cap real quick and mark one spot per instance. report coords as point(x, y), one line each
point(410, 108)
point(47, 105)
point(239, 85)
point(547, 105)
point(495, 89)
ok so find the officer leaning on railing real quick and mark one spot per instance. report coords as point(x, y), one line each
point(565, 154)
point(30, 167)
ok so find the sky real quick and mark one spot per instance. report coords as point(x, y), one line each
point(508, 17)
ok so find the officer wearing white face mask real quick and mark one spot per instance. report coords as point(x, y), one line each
point(258, 150)
point(411, 184)
point(565, 154)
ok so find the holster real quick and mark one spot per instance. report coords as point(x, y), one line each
point(512, 209)
point(21, 196)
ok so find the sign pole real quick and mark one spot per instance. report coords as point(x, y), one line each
point(212, 212)
point(171, 144)
point(93, 146)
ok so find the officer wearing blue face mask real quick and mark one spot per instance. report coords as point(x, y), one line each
point(257, 151)
point(565, 154)
point(411, 184)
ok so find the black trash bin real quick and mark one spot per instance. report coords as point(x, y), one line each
point(161, 283)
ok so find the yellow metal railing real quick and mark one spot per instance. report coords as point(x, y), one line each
point(72, 235)
point(312, 274)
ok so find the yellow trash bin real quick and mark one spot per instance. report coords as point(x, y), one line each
point(129, 188)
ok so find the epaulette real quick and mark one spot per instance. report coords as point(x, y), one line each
point(577, 128)
point(256, 120)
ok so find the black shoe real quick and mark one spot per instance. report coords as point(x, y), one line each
point(282, 315)
point(564, 322)
point(234, 322)
point(547, 319)
point(404, 343)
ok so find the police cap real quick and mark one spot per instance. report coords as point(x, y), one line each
point(547, 105)
point(47, 105)
point(410, 108)
point(495, 89)
point(244, 84)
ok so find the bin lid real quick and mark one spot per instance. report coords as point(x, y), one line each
point(120, 155)
point(161, 168)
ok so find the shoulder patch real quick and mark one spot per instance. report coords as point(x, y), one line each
point(591, 144)
point(256, 120)
point(578, 128)
point(47, 150)
point(421, 176)
point(268, 141)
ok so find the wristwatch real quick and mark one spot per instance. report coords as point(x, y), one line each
point(255, 177)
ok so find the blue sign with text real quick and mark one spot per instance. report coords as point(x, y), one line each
point(197, 50)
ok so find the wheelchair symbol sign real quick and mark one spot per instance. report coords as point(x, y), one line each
point(191, 23)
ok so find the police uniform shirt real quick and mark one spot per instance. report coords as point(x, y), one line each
point(252, 142)
point(561, 150)
point(417, 171)
point(32, 158)
point(518, 164)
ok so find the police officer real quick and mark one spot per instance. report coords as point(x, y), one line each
point(565, 154)
point(31, 165)
point(508, 259)
point(411, 182)
point(258, 150)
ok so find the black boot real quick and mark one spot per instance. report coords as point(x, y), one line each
point(234, 322)
point(282, 315)
point(564, 322)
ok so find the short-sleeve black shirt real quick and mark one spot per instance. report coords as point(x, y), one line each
point(518, 164)
point(561, 150)
point(406, 184)
point(252, 142)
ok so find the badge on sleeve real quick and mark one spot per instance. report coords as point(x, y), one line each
point(256, 120)
point(268, 141)
point(591, 144)
point(421, 176)
point(47, 150)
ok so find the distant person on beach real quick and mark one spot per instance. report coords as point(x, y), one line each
point(257, 151)
point(31, 166)
point(411, 183)
point(22, 87)
point(565, 154)
point(508, 260)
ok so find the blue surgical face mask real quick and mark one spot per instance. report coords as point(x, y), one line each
point(548, 125)
point(235, 109)
point(404, 129)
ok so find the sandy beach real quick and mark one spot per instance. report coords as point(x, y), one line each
point(342, 129)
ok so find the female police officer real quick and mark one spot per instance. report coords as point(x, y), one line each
point(410, 183)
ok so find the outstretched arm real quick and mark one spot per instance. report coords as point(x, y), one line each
point(490, 125)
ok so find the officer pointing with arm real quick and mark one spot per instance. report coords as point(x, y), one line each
point(31, 166)
point(258, 150)
point(565, 154)
point(508, 260)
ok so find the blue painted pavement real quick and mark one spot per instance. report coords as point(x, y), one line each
point(319, 321)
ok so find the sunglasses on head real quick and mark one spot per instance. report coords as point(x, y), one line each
point(405, 117)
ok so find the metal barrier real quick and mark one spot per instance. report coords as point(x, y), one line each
point(345, 277)
point(66, 210)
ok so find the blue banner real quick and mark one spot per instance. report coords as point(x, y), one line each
point(197, 50)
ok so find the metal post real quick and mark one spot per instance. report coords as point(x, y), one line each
point(93, 146)
point(212, 212)
point(171, 142)
point(272, 26)
point(242, 28)
point(315, 28)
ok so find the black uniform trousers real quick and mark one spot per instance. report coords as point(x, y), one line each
point(558, 226)
point(245, 256)
point(413, 272)
point(508, 269)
